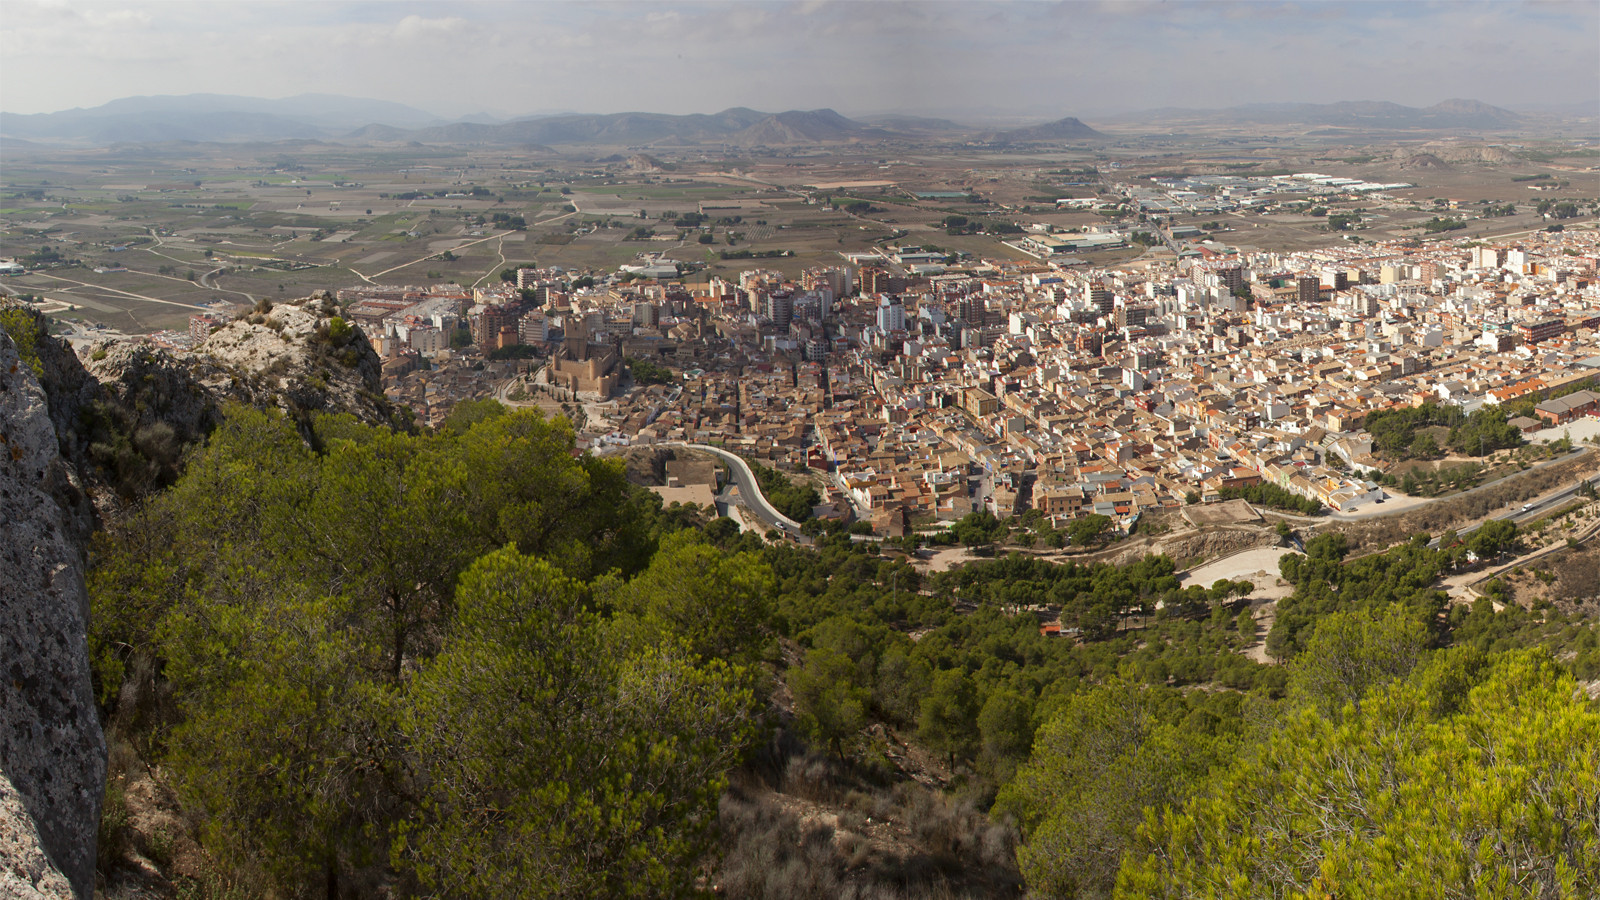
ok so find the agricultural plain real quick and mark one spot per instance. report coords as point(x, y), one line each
point(137, 238)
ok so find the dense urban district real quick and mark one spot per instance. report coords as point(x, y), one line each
point(1047, 513)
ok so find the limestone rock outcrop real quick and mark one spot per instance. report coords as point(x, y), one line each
point(52, 751)
point(297, 356)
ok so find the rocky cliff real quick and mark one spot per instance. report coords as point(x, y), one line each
point(111, 427)
point(52, 752)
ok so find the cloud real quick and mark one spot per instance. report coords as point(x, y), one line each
point(420, 28)
point(1037, 58)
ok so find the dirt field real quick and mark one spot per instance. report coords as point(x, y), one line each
point(1260, 567)
point(1230, 512)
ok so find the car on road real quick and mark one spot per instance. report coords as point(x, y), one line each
point(1527, 506)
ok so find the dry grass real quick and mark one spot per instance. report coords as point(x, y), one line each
point(797, 824)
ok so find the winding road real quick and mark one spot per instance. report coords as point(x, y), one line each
point(205, 281)
point(749, 488)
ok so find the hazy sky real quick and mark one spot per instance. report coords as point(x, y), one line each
point(936, 57)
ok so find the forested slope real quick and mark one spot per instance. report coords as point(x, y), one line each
point(475, 663)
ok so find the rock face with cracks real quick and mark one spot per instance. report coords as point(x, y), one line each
point(52, 751)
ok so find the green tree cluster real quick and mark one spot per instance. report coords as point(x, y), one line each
point(1095, 600)
point(25, 330)
point(1395, 431)
point(1270, 495)
point(1046, 719)
point(1106, 756)
point(473, 663)
point(1472, 777)
point(1386, 767)
point(786, 495)
point(457, 658)
point(1485, 431)
point(647, 372)
point(753, 254)
point(1558, 210)
point(1085, 530)
point(980, 528)
point(1324, 584)
point(969, 686)
point(549, 764)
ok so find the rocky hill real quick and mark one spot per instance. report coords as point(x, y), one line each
point(298, 355)
point(1068, 129)
point(137, 408)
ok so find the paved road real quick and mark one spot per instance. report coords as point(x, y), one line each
point(1371, 510)
point(749, 490)
point(1533, 510)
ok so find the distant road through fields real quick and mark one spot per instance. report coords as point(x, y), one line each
point(101, 287)
point(368, 278)
point(205, 281)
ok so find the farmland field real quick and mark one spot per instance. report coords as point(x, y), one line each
point(243, 222)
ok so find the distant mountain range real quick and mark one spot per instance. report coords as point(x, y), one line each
point(325, 117)
point(737, 126)
point(1372, 115)
point(212, 117)
point(218, 118)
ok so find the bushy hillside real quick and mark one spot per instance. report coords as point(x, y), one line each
point(474, 663)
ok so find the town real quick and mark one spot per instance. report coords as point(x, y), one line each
point(922, 395)
point(792, 450)
point(1099, 337)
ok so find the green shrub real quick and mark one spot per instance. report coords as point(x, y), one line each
point(25, 332)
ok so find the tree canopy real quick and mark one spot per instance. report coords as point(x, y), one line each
point(473, 662)
point(456, 654)
point(1469, 778)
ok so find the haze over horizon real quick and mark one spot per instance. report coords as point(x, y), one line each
point(957, 59)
